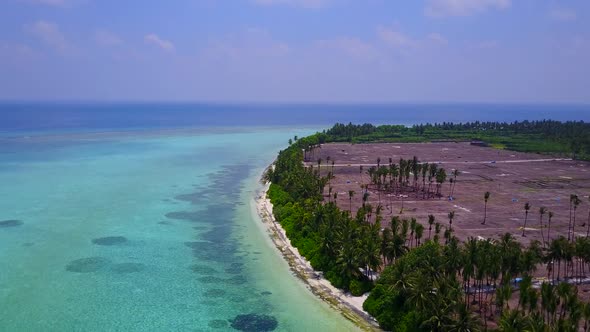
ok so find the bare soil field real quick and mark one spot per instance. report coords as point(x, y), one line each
point(512, 178)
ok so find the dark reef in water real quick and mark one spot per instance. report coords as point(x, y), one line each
point(202, 269)
point(109, 240)
point(86, 265)
point(183, 215)
point(237, 280)
point(10, 223)
point(193, 198)
point(210, 280)
point(254, 323)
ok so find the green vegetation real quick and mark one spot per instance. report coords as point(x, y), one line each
point(345, 248)
point(461, 287)
point(438, 284)
point(571, 138)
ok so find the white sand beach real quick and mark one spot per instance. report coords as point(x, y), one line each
point(350, 306)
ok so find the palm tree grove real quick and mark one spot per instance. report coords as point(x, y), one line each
point(422, 271)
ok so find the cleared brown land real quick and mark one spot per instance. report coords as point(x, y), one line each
point(512, 178)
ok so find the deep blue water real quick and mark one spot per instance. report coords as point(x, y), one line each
point(97, 116)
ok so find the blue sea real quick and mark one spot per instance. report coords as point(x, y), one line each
point(140, 217)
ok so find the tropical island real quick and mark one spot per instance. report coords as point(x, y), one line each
point(450, 227)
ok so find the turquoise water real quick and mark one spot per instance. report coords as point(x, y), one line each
point(149, 231)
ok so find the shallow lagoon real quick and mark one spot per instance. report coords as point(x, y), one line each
point(145, 231)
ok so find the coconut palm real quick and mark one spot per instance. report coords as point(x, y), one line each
point(586, 316)
point(569, 225)
point(424, 171)
point(441, 177)
point(437, 229)
point(451, 216)
point(412, 230)
point(419, 232)
point(550, 216)
point(576, 202)
point(455, 173)
point(386, 238)
point(527, 207)
point(512, 321)
point(430, 223)
point(542, 211)
point(486, 197)
point(350, 196)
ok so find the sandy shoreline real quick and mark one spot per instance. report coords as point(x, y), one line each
point(351, 307)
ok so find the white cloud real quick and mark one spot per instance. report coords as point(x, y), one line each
point(154, 39)
point(16, 52)
point(487, 44)
point(393, 37)
point(562, 14)
point(294, 3)
point(444, 8)
point(351, 46)
point(251, 42)
point(50, 35)
point(438, 38)
point(107, 38)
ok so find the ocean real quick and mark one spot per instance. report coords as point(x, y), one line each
point(140, 217)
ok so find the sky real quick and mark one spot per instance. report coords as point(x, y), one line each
point(500, 51)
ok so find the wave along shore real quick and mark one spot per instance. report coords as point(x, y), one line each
point(351, 307)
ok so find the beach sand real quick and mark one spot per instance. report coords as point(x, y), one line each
point(349, 306)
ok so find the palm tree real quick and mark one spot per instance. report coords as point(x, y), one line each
point(576, 203)
point(386, 239)
point(486, 197)
point(569, 225)
point(441, 177)
point(455, 173)
point(527, 207)
point(437, 229)
point(450, 187)
point(419, 232)
point(370, 245)
point(350, 195)
point(548, 301)
point(586, 315)
point(430, 223)
point(550, 216)
point(512, 321)
point(542, 211)
point(424, 171)
point(412, 230)
point(451, 217)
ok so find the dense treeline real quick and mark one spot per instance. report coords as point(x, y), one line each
point(462, 287)
point(429, 280)
point(546, 136)
point(344, 247)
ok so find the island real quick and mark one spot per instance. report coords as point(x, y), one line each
point(445, 227)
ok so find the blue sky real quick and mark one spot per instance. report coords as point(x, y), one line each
point(296, 50)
